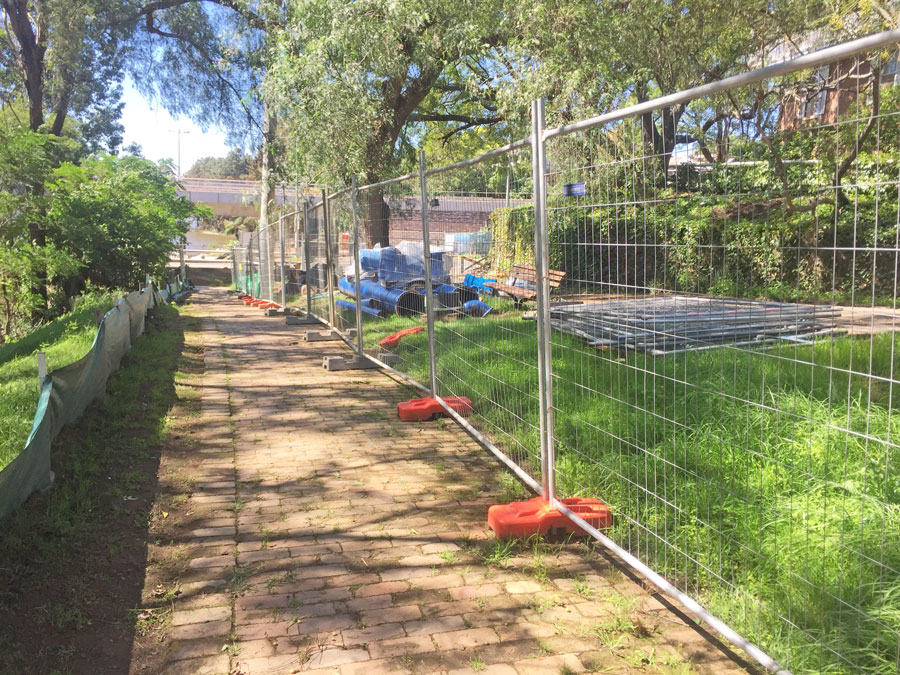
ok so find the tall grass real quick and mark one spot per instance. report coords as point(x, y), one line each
point(763, 481)
point(64, 341)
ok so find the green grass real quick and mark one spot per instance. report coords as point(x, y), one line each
point(768, 471)
point(64, 341)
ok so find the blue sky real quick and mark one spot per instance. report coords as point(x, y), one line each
point(151, 127)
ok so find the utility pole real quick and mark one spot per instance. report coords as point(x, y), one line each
point(179, 132)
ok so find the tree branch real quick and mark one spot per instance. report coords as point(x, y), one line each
point(251, 17)
point(466, 119)
point(151, 28)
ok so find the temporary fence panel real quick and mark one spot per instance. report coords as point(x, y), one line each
point(724, 352)
point(294, 266)
point(317, 271)
point(481, 226)
point(340, 239)
point(689, 314)
point(392, 286)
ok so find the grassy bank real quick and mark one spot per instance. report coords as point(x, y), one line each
point(75, 557)
point(760, 480)
point(64, 341)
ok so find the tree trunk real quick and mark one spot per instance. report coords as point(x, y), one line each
point(32, 47)
point(377, 218)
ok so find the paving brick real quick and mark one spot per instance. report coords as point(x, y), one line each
point(196, 631)
point(444, 624)
point(390, 615)
point(400, 646)
point(180, 618)
point(368, 603)
point(330, 658)
point(214, 561)
point(470, 592)
point(376, 667)
point(516, 587)
point(549, 664)
point(192, 649)
point(384, 631)
point(438, 548)
point(493, 669)
point(438, 581)
point(382, 588)
point(472, 637)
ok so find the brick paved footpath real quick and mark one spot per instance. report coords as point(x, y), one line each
point(330, 537)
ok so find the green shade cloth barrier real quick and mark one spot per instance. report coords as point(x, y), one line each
point(249, 284)
point(65, 393)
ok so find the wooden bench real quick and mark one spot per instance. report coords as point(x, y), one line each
point(525, 273)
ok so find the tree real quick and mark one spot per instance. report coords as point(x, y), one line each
point(204, 59)
point(118, 216)
point(106, 221)
point(65, 59)
point(234, 165)
point(354, 81)
point(591, 57)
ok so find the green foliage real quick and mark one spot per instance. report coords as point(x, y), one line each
point(119, 216)
point(364, 68)
point(512, 238)
point(233, 165)
point(106, 221)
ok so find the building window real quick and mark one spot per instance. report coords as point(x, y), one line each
point(817, 95)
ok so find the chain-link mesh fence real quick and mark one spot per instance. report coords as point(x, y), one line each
point(342, 253)
point(690, 315)
point(392, 274)
point(724, 353)
point(485, 349)
point(317, 268)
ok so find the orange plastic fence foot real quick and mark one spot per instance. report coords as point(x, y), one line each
point(419, 409)
point(520, 520)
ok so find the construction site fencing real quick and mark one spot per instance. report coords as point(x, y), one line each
point(66, 392)
point(686, 308)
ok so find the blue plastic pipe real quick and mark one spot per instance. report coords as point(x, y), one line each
point(351, 306)
point(391, 300)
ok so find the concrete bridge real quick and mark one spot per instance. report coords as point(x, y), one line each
point(232, 198)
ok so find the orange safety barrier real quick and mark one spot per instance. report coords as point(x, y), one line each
point(393, 339)
point(520, 520)
point(419, 409)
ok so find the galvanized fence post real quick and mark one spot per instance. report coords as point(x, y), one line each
point(247, 277)
point(306, 256)
point(357, 270)
point(542, 264)
point(255, 289)
point(296, 218)
point(329, 258)
point(281, 261)
point(429, 289)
